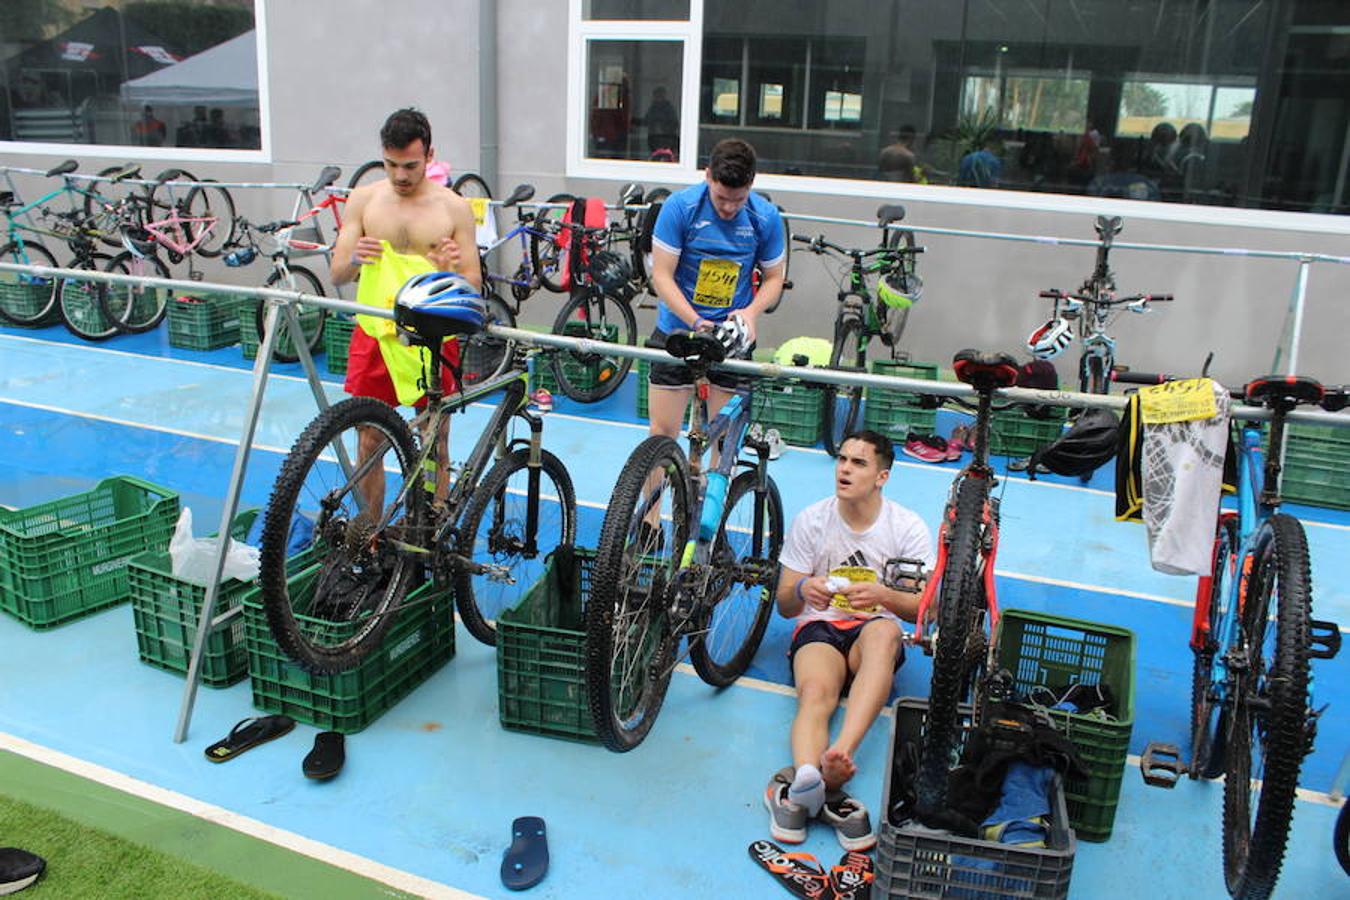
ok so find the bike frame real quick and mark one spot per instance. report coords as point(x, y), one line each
point(168, 231)
point(726, 431)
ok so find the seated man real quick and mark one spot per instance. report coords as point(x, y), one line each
point(847, 636)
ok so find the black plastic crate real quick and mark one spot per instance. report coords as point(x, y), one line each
point(917, 862)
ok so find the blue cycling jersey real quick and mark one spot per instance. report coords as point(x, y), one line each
point(716, 255)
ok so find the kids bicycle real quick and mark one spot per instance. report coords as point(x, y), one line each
point(861, 318)
point(683, 554)
point(487, 538)
point(1253, 718)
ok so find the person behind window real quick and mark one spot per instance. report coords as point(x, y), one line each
point(149, 131)
point(193, 133)
point(663, 127)
point(1120, 181)
point(1156, 161)
point(847, 637)
point(899, 161)
point(217, 133)
point(979, 168)
point(707, 242)
point(1188, 159)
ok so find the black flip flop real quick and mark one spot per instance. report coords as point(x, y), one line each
point(325, 760)
point(248, 734)
point(852, 878)
point(526, 861)
point(800, 873)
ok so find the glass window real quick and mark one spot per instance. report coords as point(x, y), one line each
point(145, 74)
point(636, 9)
point(632, 88)
point(1229, 102)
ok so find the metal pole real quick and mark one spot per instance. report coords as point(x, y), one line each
point(487, 92)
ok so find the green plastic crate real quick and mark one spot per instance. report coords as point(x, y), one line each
point(541, 655)
point(25, 295)
point(205, 322)
point(577, 373)
point(166, 611)
point(1057, 652)
point(337, 339)
point(248, 328)
point(1014, 433)
point(1317, 466)
point(421, 640)
point(896, 413)
point(644, 370)
point(793, 407)
point(67, 558)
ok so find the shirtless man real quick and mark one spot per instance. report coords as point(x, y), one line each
point(413, 216)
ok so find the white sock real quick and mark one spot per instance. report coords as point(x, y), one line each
point(808, 789)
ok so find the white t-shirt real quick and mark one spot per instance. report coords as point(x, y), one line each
point(819, 542)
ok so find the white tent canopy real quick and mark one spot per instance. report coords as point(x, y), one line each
point(225, 75)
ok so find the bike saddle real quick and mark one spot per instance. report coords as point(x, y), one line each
point(985, 370)
point(695, 347)
point(327, 176)
point(130, 170)
point(891, 212)
point(522, 193)
point(1285, 390)
point(1109, 225)
point(66, 167)
point(169, 175)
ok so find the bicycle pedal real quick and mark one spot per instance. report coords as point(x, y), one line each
point(1324, 639)
point(1161, 765)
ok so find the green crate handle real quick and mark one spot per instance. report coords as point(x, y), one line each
point(158, 490)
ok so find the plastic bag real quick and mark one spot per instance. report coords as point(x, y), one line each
point(194, 558)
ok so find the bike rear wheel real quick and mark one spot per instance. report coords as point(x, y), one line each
point(496, 531)
point(1207, 720)
point(367, 173)
point(485, 356)
point(27, 299)
point(642, 245)
point(216, 206)
point(546, 253)
point(336, 609)
point(1269, 732)
point(132, 308)
point(591, 376)
point(630, 646)
point(842, 411)
point(312, 318)
point(960, 620)
point(751, 528)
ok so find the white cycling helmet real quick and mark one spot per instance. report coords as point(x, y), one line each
point(1050, 339)
point(734, 336)
point(443, 296)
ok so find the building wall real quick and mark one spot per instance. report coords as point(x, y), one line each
point(337, 67)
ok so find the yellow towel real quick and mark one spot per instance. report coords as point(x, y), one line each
point(378, 285)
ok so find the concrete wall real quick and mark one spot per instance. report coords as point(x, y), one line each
point(337, 67)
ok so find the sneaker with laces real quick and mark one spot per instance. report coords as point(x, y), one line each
point(850, 821)
point(927, 448)
point(787, 820)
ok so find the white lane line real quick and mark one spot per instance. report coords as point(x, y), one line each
point(168, 360)
point(334, 856)
point(1093, 588)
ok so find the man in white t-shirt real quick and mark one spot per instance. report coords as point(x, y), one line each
point(848, 635)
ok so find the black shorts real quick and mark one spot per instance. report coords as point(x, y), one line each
point(675, 375)
point(841, 639)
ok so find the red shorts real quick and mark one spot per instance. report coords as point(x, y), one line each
point(368, 377)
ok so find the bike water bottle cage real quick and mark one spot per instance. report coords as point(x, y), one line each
point(435, 305)
point(1051, 339)
point(985, 371)
point(1285, 391)
point(138, 242)
point(899, 290)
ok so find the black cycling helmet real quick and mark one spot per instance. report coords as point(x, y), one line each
point(1088, 444)
point(612, 274)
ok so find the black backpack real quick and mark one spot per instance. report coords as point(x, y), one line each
point(1088, 444)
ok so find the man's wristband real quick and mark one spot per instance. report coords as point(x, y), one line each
point(801, 598)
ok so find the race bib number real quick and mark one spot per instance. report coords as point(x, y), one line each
point(1177, 401)
point(716, 282)
point(852, 575)
point(480, 209)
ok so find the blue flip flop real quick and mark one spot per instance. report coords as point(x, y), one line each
point(526, 861)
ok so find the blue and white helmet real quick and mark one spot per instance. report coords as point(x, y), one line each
point(1051, 339)
point(445, 295)
point(734, 335)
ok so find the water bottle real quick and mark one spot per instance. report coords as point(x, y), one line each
point(713, 501)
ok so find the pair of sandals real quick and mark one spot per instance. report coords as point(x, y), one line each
point(804, 876)
point(322, 762)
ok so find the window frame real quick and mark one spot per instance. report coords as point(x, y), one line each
point(206, 154)
point(687, 172)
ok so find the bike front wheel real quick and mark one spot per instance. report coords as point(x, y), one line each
point(1093, 372)
point(960, 637)
point(1269, 720)
point(329, 608)
point(842, 411)
point(214, 207)
point(27, 299)
point(630, 640)
point(312, 318)
point(590, 376)
point(751, 530)
point(513, 526)
point(132, 308)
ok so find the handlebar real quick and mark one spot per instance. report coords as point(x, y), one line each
point(819, 244)
point(1139, 300)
